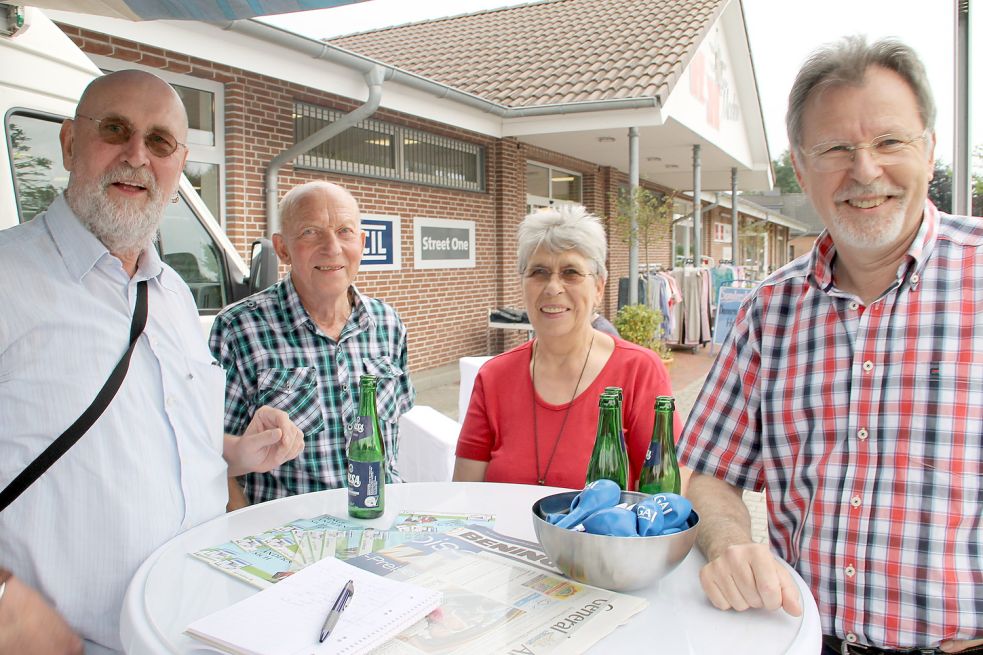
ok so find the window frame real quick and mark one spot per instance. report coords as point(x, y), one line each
point(399, 171)
point(550, 201)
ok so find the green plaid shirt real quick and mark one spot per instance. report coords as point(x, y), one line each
point(274, 354)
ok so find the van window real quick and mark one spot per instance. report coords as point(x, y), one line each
point(36, 153)
point(188, 248)
point(184, 242)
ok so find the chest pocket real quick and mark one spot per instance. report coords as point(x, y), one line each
point(294, 390)
point(387, 388)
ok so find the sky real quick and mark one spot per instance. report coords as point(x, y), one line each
point(782, 34)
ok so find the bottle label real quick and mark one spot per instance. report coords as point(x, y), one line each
point(364, 480)
point(361, 428)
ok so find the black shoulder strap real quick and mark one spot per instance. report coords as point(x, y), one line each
point(81, 425)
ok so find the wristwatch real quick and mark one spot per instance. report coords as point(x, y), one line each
point(4, 576)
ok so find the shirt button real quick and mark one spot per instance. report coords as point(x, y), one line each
point(850, 571)
point(344, 387)
point(854, 305)
point(862, 433)
point(855, 501)
point(169, 401)
point(914, 279)
point(868, 366)
point(852, 638)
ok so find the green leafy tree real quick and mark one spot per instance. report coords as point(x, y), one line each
point(940, 187)
point(785, 174)
point(653, 214)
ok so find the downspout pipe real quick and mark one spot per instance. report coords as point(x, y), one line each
point(734, 239)
point(373, 78)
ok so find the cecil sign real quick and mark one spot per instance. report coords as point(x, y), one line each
point(439, 243)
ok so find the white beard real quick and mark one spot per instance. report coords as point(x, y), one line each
point(124, 229)
point(867, 233)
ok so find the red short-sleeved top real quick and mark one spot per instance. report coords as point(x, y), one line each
point(498, 428)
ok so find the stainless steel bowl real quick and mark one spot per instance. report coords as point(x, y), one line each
point(616, 563)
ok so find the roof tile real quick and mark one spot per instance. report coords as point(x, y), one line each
point(551, 51)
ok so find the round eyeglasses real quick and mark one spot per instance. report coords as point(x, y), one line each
point(886, 150)
point(569, 276)
point(116, 131)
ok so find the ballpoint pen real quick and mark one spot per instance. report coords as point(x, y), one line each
point(339, 606)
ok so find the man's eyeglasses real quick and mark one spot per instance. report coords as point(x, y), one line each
point(116, 131)
point(569, 276)
point(887, 150)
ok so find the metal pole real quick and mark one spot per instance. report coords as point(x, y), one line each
point(962, 197)
point(633, 190)
point(733, 214)
point(697, 208)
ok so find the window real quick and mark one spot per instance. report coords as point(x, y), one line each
point(546, 185)
point(183, 241)
point(36, 157)
point(379, 149)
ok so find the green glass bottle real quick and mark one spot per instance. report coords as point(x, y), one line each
point(660, 471)
point(609, 460)
point(366, 457)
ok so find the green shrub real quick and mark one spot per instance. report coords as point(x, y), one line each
point(642, 324)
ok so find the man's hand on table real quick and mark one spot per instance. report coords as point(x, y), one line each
point(270, 440)
point(748, 575)
point(29, 626)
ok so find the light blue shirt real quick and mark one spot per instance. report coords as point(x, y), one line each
point(150, 467)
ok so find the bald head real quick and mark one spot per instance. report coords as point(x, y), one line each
point(104, 91)
point(315, 191)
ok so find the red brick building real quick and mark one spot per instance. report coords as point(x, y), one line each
point(481, 118)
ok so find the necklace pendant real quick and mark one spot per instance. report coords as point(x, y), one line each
point(542, 482)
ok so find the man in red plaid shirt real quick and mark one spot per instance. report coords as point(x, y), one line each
point(851, 386)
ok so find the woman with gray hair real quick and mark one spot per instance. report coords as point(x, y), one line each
point(533, 412)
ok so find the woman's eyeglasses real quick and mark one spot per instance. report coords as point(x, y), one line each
point(116, 131)
point(569, 276)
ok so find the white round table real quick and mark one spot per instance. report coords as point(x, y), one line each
point(172, 589)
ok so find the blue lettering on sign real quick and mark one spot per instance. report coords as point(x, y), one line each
point(729, 301)
point(378, 242)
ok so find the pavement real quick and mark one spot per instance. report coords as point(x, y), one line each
point(438, 388)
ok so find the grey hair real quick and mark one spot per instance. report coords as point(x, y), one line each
point(558, 229)
point(293, 198)
point(845, 62)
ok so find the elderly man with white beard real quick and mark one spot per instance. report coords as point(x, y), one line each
point(156, 462)
point(851, 385)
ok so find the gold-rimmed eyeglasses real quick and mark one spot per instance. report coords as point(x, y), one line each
point(569, 276)
point(886, 150)
point(116, 131)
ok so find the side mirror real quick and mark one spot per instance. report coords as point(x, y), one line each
point(264, 267)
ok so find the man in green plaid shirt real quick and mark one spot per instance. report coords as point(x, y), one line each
point(302, 344)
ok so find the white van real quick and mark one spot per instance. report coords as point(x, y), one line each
point(42, 75)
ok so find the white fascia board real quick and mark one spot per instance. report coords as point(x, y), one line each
point(597, 120)
point(723, 61)
point(212, 43)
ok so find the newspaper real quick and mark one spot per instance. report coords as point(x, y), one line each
point(264, 559)
point(501, 595)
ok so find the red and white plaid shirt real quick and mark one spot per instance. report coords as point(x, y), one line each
point(865, 427)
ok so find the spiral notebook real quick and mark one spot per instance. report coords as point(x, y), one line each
point(286, 619)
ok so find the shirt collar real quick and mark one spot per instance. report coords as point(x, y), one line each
point(918, 252)
point(295, 314)
point(81, 250)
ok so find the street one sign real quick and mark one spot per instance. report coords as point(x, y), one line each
point(441, 243)
point(382, 243)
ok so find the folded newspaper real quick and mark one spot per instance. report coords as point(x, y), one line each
point(501, 595)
